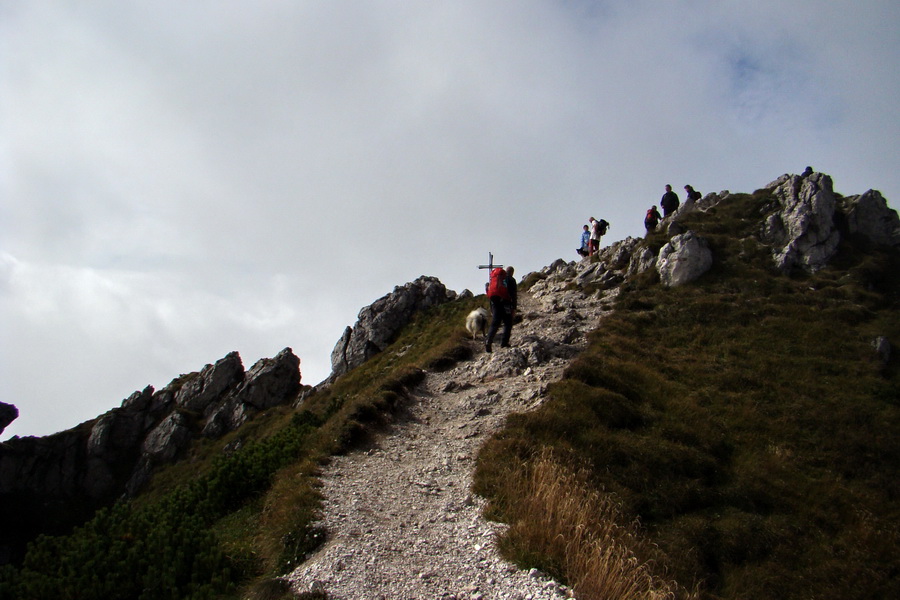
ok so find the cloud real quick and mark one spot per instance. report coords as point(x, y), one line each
point(182, 180)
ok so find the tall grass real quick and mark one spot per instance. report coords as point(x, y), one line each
point(583, 532)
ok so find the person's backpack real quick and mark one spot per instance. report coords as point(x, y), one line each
point(602, 227)
point(497, 287)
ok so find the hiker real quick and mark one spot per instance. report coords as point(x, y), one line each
point(585, 242)
point(502, 295)
point(691, 194)
point(669, 202)
point(598, 230)
point(652, 219)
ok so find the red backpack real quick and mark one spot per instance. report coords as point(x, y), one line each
point(497, 287)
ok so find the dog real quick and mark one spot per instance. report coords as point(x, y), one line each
point(477, 321)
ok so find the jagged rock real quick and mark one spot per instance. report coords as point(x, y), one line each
point(685, 258)
point(378, 323)
point(869, 216)
point(618, 255)
point(41, 479)
point(802, 232)
point(271, 381)
point(167, 440)
point(642, 260)
point(227, 416)
point(204, 387)
point(8, 414)
point(139, 401)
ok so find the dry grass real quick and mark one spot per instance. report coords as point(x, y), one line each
point(585, 535)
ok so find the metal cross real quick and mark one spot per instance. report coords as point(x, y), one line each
point(490, 266)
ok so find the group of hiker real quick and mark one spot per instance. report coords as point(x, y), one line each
point(501, 289)
point(591, 233)
point(669, 204)
point(590, 236)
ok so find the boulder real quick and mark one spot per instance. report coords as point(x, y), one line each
point(802, 232)
point(685, 258)
point(378, 324)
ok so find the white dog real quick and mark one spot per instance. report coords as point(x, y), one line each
point(477, 321)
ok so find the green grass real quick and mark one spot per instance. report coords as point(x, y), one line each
point(744, 420)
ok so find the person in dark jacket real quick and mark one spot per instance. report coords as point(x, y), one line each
point(691, 193)
point(504, 310)
point(669, 202)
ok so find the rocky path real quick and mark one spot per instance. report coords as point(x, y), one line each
point(402, 521)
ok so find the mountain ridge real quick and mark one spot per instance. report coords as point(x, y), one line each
point(796, 236)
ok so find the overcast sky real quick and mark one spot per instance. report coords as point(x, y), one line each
point(180, 179)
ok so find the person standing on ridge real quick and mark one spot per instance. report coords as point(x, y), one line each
point(691, 193)
point(598, 230)
point(502, 294)
point(669, 202)
point(585, 242)
point(652, 219)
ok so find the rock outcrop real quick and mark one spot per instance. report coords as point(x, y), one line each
point(868, 215)
point(8, 414)
point(685, 258)
point(42, 479)
point(378, 323)
point(802, 232)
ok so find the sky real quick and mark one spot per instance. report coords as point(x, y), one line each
point(182, 179)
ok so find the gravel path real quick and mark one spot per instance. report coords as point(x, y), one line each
point(402, 521)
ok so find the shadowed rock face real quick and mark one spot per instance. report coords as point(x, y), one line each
point(868, 215)
point(8, 414)
point(50, 483)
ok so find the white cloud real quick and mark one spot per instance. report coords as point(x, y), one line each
point(183, 180)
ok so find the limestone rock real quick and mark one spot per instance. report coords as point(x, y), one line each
point(167, 440)
point(685, 258)
point(869, 216)
point(271, 381)
point(206, 386)
point(802, 233)
point(642, 260)
point(378, 323)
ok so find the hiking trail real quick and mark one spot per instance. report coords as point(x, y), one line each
point(402, 522)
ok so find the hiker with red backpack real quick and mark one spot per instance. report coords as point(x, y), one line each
point(652, 219)
point(502, 295)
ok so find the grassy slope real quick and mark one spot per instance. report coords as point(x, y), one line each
point(743, 419)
